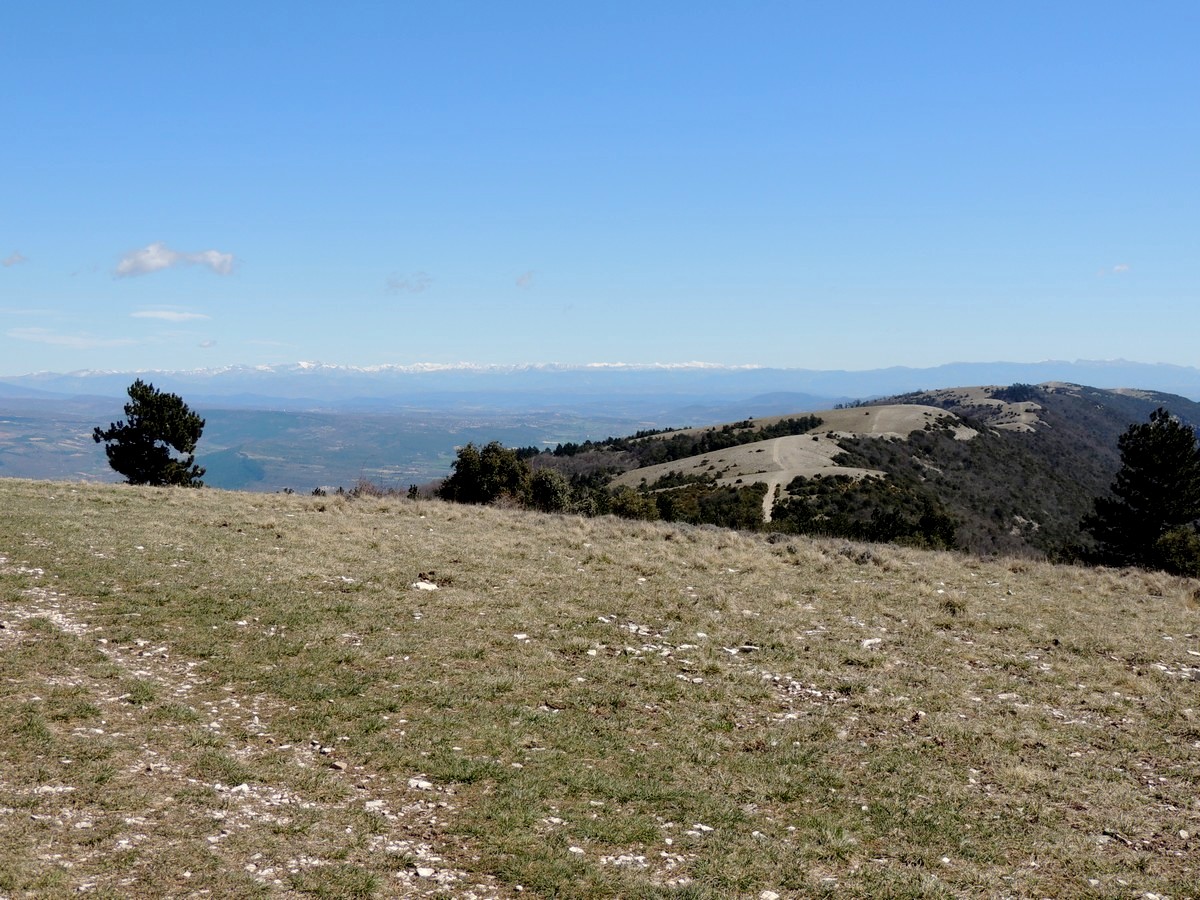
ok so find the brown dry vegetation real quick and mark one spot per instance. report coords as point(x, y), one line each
point(206, 693)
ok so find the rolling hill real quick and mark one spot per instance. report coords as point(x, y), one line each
point(1014, 467)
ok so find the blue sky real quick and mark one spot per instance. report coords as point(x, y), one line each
point(834, 185)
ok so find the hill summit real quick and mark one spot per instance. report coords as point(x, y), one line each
point(992, 469)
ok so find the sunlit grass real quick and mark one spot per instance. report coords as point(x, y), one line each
point(251, 696)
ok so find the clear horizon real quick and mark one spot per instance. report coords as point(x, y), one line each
point(777, 185)
point(694, 366)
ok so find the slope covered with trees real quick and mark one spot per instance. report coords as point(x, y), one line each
point(1020, 489)
point(1010, 470)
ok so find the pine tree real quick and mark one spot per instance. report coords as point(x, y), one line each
point(1155, 500)
point(155, 424)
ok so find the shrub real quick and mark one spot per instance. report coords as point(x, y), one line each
point(1178, 551)
point(549, 491)
point(484, 475)
point(629, 504)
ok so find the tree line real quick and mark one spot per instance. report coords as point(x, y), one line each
point(497, 474)
point(681, 444)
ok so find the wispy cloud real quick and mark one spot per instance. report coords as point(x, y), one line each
point(77, 341)
point(409, 284)
point(168, 315)
point(205, 345)
point(159, 256)
point(525, 279)
point(1118, 269)
point(14, 259)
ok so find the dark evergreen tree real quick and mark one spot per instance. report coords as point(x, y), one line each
point(1155, 499)
point(155, 424)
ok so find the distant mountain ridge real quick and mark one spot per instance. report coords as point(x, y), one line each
point(553, 385)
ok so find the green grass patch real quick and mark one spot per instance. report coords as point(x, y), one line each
point(243, 694)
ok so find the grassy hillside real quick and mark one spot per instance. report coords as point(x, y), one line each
point(239, 695)
point(1003, 470)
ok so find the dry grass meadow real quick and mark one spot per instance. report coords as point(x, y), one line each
point(207, 694)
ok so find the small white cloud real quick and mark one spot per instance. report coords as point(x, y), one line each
point(207, 344)
point(525, 279)
point(1118, 269)
point(14, 259)
point(74, 341)
point(168, 315)
point(409, 284)
point(159, 256)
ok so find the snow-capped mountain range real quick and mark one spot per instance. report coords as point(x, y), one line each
point(322, 385)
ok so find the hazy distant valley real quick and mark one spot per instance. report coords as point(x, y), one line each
point(270, 450)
